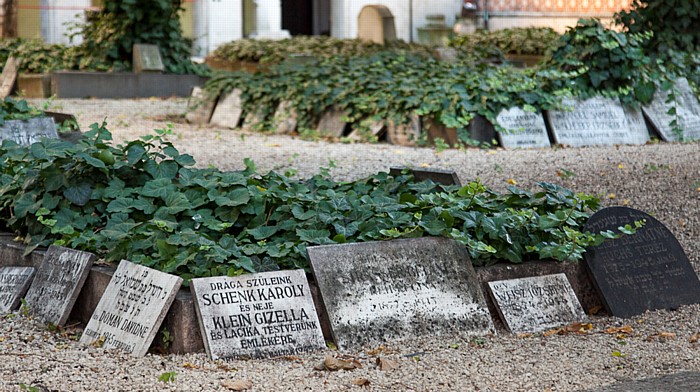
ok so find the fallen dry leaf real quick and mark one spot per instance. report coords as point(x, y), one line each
point(424, 165)
point(595, 310)
point(694, 338)
point(578, 327)
point(188, 365)
point(662, 335)
point(237, 385)
point(376, 351)
point(386, 365)
point(332, 364)
point(363, 382)
point(524, 335)
point(617, 330)
point(512, 181)
point(611, 196)
point(552, 332)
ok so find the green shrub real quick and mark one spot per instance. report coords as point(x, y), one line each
point(519, 40)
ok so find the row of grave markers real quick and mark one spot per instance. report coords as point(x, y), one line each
point(595, 121)
point(371, 292)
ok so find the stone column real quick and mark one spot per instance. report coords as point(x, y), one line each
point(268, 20)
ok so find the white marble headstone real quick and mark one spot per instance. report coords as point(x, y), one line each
point(523, 129)
point(228, 110)
point(14, 283)
point(687, 109)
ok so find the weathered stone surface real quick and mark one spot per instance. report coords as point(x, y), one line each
point(9, 76)
point(228, 110)
point(635, 120)
point(285, 118)
point(132, 308)
point(685, 381)
point(14, 283)
point(536, 303)
point(376, 291)
point(404, 134)
point(687, 109)
point(262, 315)
point(12, 253)
point(522, 129)
point(444, 177)
point(199, 109)
point(644, 271)
point(371, 129)
point(481, 130)
point(253, 121)
point(436, 130)
point(30, 131)
point(596, 121)
point(57, 283)
point(146, 58)
point(331, 123)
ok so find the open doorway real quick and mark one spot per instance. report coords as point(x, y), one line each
point(306, 17)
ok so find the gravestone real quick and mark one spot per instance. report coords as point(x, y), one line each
point(131, 309)
point(263, 315)
point(331, 123)
point(536, 303)
point(406, 134)
point(438, 176)
point(687, 109)
point(596, 121)
point(435, 130)
point(146, 58)
point(27, 132)
point(371, 128)
point(9, 76)
point(285, 118)
point(57, 283)
point(14, 283)
point(228, 110)
point(522, 129)
point(635, 120)
point(377, 291)
point(644, 271)
point(253, 121)
point(199, 109)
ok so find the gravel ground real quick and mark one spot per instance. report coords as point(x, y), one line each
point(661, 179)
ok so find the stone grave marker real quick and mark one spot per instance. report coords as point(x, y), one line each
point(373, 128)
point(14, 283)
point(331, 123)
point(132, 308)
point(376, 291)
point(687, 108)
point(522, 129)
point(253, 120)
point(26, 132)
point(228, 110)
point(536, 303)
point(285, 118)
point(404, 134)
point(9, 76)
point(438, 176)
point(199, 110)
point(57, 283)
point(635, 120)
point(596, 121)
point(263, 315)
point(644, 271)
point(146, 58)
point(435, 130)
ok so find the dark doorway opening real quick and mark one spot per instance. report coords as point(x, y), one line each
point(298, 16)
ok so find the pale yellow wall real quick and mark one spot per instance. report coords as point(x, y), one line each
point(28, 19)
point(186, 19)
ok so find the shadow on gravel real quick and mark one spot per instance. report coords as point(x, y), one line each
point(679, 382)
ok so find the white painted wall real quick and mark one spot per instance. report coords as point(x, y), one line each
point(344, 15)
point(216, 22)
point(57, 14)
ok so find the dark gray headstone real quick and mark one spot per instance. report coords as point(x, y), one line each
point(444, 177)
point(536, 303)
point(132, 308)
point(228, 110)
point(522, 129)
point(436, 130)
point(57, 283)
point(262, 315)
point(687, 109)
point(146, 58)
point(377, 291)
point(14, 283)
point(644, 271)
point(26, 132)
point(596, 121)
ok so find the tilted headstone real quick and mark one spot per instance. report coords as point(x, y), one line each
point(9, 76)
point(687, 109)
point(331, 123)
point(285, 118)
point(644, 271)
point(131, 309)
point(199, 109)
point(262, 315)
point(522, 129)
point(147, 58)
point(596, 121)
point(406, 134)
point(14, 283)
point(26, 132)
point(444, 177)
point(57, 283)
point(377, 291)
point(635, 120)
point(436, 130)
point(253, 121)
point(228, 110)
point(371, 128)
point(536, 303)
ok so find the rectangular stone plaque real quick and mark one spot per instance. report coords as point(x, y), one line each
point(132, 308)
point(536, 303)
point(444, 177)
point(687, 108)
point(644, 271)
point(379, 291)
point(596, 121)
point(14, 283)
point(262, 315)
point(146, 58)
point(57, 283)
point(27, 132)
point(522, 129)
point(228, 110)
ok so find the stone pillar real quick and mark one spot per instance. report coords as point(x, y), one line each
point(56, 15)
point(268, 20)
point(8, 18)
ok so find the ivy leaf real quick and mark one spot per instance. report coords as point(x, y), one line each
point(320, 237)
point(78, 194)
point(262, 232)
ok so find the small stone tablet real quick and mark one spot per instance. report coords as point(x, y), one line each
point(687, 109)
point(644, 271)
point(262, 315)
point(444, 177)
point(596, 121)
point(132, 308)
point(228, 110)
point(57, 283)
point(146, 58)
point(27, 132)
point(536, 303)
point(377, 291)
point(14, 283)
point(522, 129)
